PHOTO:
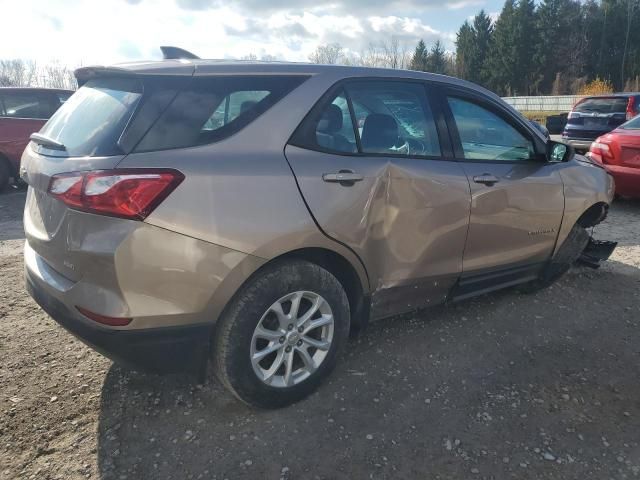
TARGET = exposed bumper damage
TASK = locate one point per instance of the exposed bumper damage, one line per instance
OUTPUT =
(596, 251)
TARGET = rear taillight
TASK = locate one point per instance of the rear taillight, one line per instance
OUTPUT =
(600, 151)
(631, 108)
(126, 193)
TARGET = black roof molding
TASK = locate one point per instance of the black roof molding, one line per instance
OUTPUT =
(175, 53)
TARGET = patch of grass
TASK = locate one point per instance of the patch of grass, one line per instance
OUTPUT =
(540, 117)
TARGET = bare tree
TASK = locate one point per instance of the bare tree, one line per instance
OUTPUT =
(328, 54)
(26, 73)
(250, 56)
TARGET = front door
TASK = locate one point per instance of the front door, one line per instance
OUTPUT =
(517, 198)
(370, 164)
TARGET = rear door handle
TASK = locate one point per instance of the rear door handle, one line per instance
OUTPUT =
(343, 177)
(486, 179)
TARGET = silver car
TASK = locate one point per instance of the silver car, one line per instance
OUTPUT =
(251, 215)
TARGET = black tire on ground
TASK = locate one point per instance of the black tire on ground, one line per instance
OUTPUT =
(5, 174)
(235, 328)
(567, 254)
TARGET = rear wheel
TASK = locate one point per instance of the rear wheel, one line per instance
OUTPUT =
(281, 335)
(567, 254)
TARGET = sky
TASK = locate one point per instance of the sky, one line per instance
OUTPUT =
(84, 32)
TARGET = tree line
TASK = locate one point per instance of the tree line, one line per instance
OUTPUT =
(554, 47)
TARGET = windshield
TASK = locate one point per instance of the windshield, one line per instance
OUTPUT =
(91, 121)
(602, 105)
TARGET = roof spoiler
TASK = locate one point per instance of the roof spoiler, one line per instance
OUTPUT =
(175, 53)
(84, 74)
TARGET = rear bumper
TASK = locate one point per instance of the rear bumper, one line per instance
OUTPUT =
(159, 350)
(627, 180)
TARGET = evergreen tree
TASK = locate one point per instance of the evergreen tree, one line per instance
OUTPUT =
(437, 60)
(420, 57)
(465, 52)
(503, 57)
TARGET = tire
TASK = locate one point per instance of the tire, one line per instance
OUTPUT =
(567, 254)
(5, 174)
(238, 341)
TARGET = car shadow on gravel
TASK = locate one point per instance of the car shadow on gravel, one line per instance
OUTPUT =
(506, 385)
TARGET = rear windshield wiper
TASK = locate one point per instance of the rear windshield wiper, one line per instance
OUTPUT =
(47, 142)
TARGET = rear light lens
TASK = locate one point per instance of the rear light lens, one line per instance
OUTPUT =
(125, 193)
(631, 108)
(600, 151)
(111, 321)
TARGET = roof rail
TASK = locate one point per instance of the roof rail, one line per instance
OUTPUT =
(175, 53)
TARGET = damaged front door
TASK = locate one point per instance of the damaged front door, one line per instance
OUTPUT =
(369, 162)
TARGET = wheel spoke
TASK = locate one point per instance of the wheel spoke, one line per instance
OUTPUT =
(306, 358)
(259, 355)
(320, 322)
(311, 312)
(295, 305)
(288, 368)
(268, 375)
(267, 334)
(283, 320)
(319, 344)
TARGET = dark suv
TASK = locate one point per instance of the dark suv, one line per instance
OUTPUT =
(22, 112)
(595, 116)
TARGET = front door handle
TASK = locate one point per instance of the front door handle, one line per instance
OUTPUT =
(486, 179)
(343, 177)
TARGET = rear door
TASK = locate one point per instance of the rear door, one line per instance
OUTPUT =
(371, 163)
(517, 198)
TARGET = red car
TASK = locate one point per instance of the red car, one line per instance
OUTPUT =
(22, 112)
(619, 152)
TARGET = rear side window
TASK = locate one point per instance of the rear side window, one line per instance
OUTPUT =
(90, 122)
(33, 105)
(602, 105)
(210, 109)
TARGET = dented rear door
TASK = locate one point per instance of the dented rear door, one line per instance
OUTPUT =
(403, 210)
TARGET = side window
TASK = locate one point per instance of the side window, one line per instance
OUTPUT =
(26, 105)
(334, 129)
(232, 106)
(394, 118)
(486, 136)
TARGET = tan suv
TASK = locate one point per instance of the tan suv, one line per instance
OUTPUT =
(254, 214)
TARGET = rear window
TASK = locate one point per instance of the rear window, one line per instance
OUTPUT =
(210, 109)
(115, 116)
(90, 122)
(602, 105)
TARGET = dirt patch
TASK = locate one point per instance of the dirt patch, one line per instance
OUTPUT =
(503, 386)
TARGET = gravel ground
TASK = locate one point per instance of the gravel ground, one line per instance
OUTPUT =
(503, 386)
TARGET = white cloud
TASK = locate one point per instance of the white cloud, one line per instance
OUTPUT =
(79, 32)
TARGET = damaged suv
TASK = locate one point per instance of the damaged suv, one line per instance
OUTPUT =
(250, 215)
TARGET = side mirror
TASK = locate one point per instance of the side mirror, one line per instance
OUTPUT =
(559, 152)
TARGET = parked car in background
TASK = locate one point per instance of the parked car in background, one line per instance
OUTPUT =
(254, 214)
(595, 116)
(619, 152)
(555, 123)
(23, 111)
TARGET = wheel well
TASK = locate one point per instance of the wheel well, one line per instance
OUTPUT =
(593, 215)
(342, 269)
